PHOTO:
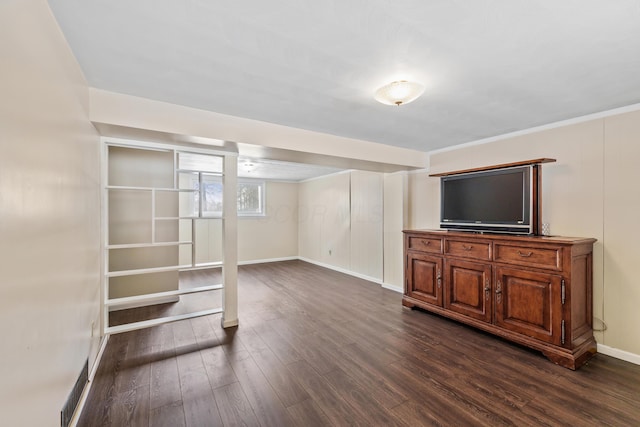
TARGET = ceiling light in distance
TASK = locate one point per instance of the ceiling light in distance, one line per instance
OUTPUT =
(399, 92)
(248, 166)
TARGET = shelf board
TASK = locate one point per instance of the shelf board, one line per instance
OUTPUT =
(155, 322)
(501, 166)
(169, 218)
(157, 295)
(207, 264)
(146, 270)
(126, 187)
(147, 245)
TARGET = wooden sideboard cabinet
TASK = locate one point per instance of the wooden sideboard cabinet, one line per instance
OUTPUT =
(532, 290)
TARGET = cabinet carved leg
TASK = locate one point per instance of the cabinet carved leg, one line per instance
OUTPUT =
(576, 359)
(408, 304)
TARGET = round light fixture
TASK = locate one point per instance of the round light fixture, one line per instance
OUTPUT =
(399, 92)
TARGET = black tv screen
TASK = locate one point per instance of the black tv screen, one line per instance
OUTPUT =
(496, 200)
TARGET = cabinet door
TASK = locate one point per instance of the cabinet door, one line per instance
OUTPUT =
(468, 288)
(424, 281)
(530, 303)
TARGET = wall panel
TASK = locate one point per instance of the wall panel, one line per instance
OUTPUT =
(324, 220)
(366, 239)
(395, 220)
(49, 218)
(622, 232)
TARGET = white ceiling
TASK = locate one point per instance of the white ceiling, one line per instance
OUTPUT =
(490, 66)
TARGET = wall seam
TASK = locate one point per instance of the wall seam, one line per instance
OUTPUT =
(604, 222)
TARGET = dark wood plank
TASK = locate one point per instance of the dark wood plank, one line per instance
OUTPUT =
(279, 377)
(307, 413)
(216, 364)
(199, 404)
(171, 415)
(136, 367)
(286, 352)
(417, 414)
(310, 349)
(198, 401)
(360, 399)
(165, 380)
(235, 409)
(328, 400)
(261, 396)
(381, 387)
(203, 332)
(131, 408)
(97, 411)
(446, 408)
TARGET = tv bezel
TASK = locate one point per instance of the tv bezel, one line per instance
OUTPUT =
(498, 227)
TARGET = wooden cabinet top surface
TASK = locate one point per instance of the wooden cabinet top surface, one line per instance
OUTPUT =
(502, 237)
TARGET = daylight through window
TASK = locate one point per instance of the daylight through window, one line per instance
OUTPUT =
(250, 197)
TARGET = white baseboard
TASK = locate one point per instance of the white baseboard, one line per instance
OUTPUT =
(160, 300)
(393, 288)
(96, 362)
(619, 354)
(262, 261)
(87, 387)
(353, 273)
(342, 270)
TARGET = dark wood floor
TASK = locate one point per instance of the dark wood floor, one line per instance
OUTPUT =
(319, 348)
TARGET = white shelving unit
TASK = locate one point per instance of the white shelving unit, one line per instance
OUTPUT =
(143, 188)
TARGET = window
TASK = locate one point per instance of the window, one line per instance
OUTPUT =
(250, 197)
(211, 196)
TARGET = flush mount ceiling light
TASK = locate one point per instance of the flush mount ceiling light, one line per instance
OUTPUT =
(399, 92)
(248, 166)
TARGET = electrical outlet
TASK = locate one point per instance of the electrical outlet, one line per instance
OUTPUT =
(329, 251)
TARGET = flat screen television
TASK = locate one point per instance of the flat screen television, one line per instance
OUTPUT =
(498, 201)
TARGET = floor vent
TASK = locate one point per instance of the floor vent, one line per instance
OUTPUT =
(74, 397)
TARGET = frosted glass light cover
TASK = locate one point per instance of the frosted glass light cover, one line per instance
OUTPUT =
(399, 92)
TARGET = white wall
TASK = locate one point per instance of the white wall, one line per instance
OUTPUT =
(367, 224)
(341, 222)
(276, 234)
(621, 207)
(396, 216)
(324, 220)
(49, 217)
(353, 222)
(269, 237)
(591, 191)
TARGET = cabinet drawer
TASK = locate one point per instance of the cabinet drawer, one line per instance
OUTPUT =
(550, 258)
(468, 249)
(425, 244)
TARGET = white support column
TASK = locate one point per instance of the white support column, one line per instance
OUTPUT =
(230, 242)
